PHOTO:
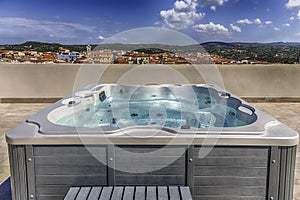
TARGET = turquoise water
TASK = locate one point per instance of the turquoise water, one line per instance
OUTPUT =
(170, 112)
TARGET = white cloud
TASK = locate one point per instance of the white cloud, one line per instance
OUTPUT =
(185, 5)
(181, 5)
(212, 29)
(292, 4)
(244, 21)
(298, 15)
(248, 21)
(268, 22)
(22, 29)
(184, 12)
(292, 18)
(183, 15)
(214, 8)
(33, 25)
(298, 34)
(276, 29)
(286, 25)
(235, 28)
(101, 37)
(203, 3)
(257, 21)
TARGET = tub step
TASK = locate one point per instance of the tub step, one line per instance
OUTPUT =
(129, 193)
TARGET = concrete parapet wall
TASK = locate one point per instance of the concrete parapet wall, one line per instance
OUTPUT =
(52, 81)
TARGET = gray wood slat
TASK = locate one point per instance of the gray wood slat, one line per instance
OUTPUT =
(71, 170)
(140, 193)
(106, 193)
(149, 151)
(229, 191)
(168, 170)
(69, 150)
(95, 193)
(235, 151)
(229, 181)
(231, 171)
(52, 190)
(83, 180)
(185, 193)
(151, 180)
(117, 193)
(38, 197)
(162, 193)
(222, 197)
(128, 193)
(69, 160)
(252, 161)
(72, 193)
(174, 193)
(83, 193)
(143, 162)
(151, 193)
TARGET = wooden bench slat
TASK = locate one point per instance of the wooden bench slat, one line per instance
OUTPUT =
(140, 193)
(151, 193)
(72, 193)
(128, 193)
(95, 193)
(185, 193)
(174, 193)
(83, 193)
(117, 193)
(162, 192)
(106, 193)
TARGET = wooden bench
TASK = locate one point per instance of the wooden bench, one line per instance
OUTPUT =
(129, 193)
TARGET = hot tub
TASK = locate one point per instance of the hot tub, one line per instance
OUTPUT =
(195, 135)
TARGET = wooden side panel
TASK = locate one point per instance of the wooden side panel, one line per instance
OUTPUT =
(150, 166)
(231, 173)
(18, 169)
(59, 167)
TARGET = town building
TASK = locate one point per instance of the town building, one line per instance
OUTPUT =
(69, 57)
(101, 56)
(137, 57)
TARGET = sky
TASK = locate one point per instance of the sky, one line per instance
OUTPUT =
(93, 21)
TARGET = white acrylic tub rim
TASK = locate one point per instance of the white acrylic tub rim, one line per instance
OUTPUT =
(264, 131)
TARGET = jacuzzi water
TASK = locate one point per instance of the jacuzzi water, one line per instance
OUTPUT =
(163, 108)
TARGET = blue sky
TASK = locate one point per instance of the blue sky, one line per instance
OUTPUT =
(91, 21)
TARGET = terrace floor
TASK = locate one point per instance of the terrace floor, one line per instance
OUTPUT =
(12, 114)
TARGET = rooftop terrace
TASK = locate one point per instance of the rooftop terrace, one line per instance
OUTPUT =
(46, 83)
(13, 113)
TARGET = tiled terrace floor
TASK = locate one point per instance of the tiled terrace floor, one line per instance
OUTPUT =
(12, 114)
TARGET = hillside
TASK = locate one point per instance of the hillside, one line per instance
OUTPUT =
(41, 47)
(278, 52)
(269, 52)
